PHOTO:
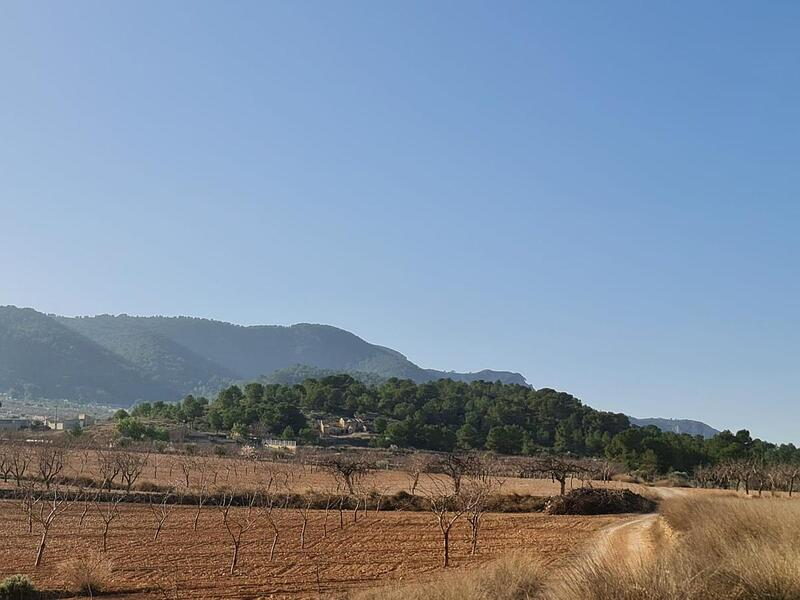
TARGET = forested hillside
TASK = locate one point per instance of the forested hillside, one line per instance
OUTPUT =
(39, 357)
(122, 359)
(447, 415)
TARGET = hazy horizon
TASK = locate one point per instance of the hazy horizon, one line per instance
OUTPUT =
(602, 198)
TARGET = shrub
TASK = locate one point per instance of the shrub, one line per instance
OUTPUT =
(591, 501)
(17, 587)
(89, 575)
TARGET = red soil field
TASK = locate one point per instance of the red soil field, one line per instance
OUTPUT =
(379, 548)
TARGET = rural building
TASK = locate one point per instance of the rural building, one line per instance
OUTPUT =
(330, 428)
(14, 424)
(78, 422)
(354, 425)
(290, 445)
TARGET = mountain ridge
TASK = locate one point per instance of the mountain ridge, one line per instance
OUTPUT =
(689, 426)
(122, 359)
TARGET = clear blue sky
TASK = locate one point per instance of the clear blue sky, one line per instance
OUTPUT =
(602, 196)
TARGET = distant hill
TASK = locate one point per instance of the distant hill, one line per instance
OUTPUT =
(677, 426)
(40, 357)
(123, 359)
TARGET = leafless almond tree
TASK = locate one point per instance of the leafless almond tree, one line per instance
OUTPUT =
(555, 468)
(348, 469)
(21, 458)
(303, 510)
(187, 465)
(45, 509)
(108, 467)
(6, 462)
(131, 465)
(49, 463)
(108, 512)
(447, 507)
(416, 465)
(455, 466)
(161, 509)
(237, 520)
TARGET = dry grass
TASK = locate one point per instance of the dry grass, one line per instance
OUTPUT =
(512, 578)
(707, 549)
(712, 548)
(88, 575)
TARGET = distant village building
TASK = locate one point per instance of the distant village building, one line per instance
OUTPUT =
(354, 425)
(78, 422)
(290, 445)
(14, 424)
(329, 428)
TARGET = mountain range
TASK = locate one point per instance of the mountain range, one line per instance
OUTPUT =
(122, 359)
(677, 426)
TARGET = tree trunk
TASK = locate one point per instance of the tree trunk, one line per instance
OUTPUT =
(563, 483)
(272, 549)
(235, 558)
(446, 557)
(197, 516)
(303, 534)
(40, 549)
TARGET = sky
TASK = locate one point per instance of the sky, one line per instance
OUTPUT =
(601, 196)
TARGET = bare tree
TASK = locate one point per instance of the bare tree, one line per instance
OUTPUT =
(556, 468)
(49, 463)
(21, 458)
(348, 469)
(447, 507)
(477, 491)
(108, 512)
(187, 465)
(45, 509)
(6, 462)
(303, 510)
(26, 497)
(161, 511)
(108, 467)
(455, 466)
(201, 495)
(131, 465)
(272, 499)
(155, 460)
(237, 520)
(416, 466)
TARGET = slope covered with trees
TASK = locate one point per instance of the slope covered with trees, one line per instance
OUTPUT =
(122, 359)
(39, 357)
(250, 352)
(447, 415)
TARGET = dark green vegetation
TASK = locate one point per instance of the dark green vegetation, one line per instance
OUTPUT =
(122, 359)
(447, 415)
(40, 357)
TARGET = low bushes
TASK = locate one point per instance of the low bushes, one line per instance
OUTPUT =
(598, 501)
(17, 587)
(88, 575)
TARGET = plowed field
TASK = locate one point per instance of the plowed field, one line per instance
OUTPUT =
(383, 547)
